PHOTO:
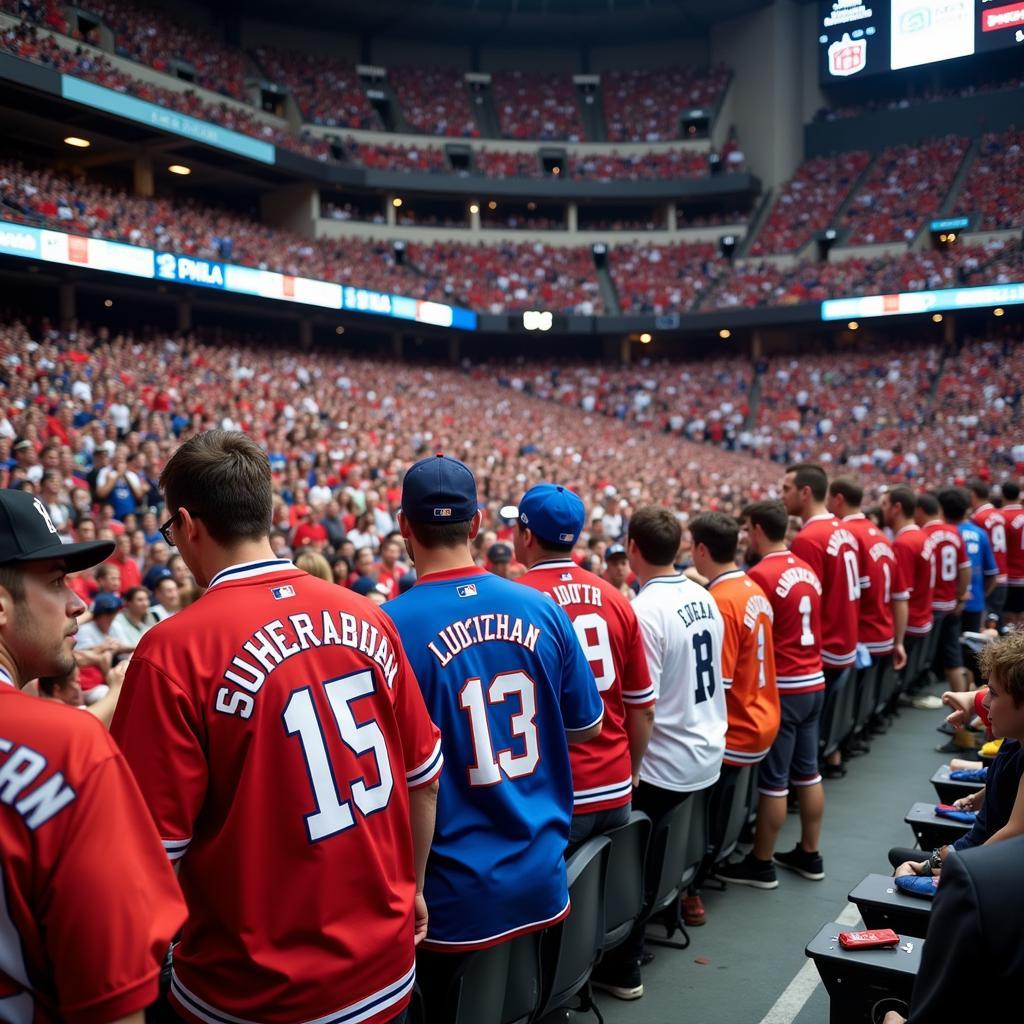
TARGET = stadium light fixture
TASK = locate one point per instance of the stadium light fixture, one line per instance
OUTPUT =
(180, 169)
(725, 333)
(396, 202)
(936, 318)
(492, 205)
(998, 311)
(108, 303)
(645, 339)
(531, 205)
(339, 329)
(853, 325)
(77, 141)
(474, 208)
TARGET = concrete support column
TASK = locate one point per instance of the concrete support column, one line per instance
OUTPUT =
(756, 345)
(949, 330)
(474, 217)
(671, 220)
(625, 351)
(391, 213)
(184, 315)
(572, 219)
(142, 174)
(66, 301)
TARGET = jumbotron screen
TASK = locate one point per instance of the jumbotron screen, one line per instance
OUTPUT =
(865, 37)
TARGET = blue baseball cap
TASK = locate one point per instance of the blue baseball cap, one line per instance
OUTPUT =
(439, 489)
(554, 513)
(105, 603)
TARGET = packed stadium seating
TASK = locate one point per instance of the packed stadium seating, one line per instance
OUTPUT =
(434, 101)
(808, 201)
(646, 106)
(509, 276)
(498, 163)
(535, 105)
(664, 278)
(653, 164)
(992, 188)
(394, 157)
(906, 184)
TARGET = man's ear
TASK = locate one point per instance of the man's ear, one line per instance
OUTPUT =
(403, 525)
(6, 607)
(476, 523)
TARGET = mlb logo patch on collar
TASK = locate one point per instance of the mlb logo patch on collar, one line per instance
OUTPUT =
(466, 590)
(280, 593)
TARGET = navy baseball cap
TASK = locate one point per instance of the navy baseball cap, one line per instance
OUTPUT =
(106, 603)
(615, 551)
(554, 513)
(27, 534)
(439, 489)
(499, 553)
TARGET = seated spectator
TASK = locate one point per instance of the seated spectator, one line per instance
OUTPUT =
(537, 105)
(134, 620)
(167, 597)
(96, 646)
(315, 564)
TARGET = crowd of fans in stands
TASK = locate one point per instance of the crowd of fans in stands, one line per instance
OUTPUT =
(992, 188)
(434, 101)
(537, 105)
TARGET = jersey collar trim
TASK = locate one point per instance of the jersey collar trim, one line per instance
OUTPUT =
(909, 526)
(776, 554)
(727, 575)
(247, 570)
(663, 579)
(6, 678)
(984, 508)
(451, 574)
(819, 516)
(554, 563)
(854, 515)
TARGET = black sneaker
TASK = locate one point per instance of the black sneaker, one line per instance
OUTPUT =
(810, 865)
(624, 980)
(749, 871)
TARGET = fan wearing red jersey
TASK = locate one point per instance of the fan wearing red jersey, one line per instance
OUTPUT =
(88, 902)
(748, 663)
(882, 625)
(282, 745)
(832, 551)
(996, 523)
(1013, 512)
(605, 769)
(794, 592)
(913, 583)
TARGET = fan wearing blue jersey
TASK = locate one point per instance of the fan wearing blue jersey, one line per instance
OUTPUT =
(506, 681)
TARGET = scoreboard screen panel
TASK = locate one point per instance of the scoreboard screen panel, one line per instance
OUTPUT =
(858, 38)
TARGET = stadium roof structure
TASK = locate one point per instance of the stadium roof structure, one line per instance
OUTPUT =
(504, 22)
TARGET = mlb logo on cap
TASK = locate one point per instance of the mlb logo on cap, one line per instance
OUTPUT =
(439, 487)
(554, 513)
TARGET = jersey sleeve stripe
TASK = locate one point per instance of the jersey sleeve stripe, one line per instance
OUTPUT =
(428, 770)
(903, 595)
(639, 696)
(493, 940)
(583, 728)
(363, 1010)
(744, 756)
(175, 848)
(583, 797)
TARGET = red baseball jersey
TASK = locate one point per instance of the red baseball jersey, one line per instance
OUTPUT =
(607, 629)
(1014, 515)
(88, 902)
(994, 521)
(794, 592)
(914, 584)
(832, 551)
(945, 547)
(275, 728)
(875, 628)
(748, 667)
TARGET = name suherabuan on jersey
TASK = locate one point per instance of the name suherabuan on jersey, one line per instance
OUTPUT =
(275, 642)
(481, 629)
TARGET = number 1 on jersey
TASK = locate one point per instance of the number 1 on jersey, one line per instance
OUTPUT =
(489, 766)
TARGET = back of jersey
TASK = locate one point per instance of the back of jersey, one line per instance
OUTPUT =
(608, 633)
(504, 677)
(878, 566)
(683, 636)
(275, 729)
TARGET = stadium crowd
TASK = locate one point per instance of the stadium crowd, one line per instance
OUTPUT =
(434, 101)
(537, 105)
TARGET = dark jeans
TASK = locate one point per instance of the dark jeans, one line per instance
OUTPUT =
(586, 825)
(655, 802)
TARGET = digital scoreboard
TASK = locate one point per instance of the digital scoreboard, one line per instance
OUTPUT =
(858, 38)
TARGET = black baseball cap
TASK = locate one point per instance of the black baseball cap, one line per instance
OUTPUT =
(439, 489)
(499, 553)
(27, 534)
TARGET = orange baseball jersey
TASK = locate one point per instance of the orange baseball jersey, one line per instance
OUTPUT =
(275, 728)
(88, 901)
(606, 627)
(748, 667)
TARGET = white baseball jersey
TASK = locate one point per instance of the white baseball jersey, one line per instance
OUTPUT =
(683, 632)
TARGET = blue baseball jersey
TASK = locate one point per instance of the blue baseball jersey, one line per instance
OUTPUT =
(503, 677)
(983, 563)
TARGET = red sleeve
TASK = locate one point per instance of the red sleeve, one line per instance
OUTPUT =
(160, 732)
(113, 903)
(421, 739)
(637, 690)
(979, 707)
(903, 583)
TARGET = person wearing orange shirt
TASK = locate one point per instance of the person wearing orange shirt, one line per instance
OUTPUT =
(748, 657)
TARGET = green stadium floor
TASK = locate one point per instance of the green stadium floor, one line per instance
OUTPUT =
(742, 965)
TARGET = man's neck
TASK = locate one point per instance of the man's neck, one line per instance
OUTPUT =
(544, 555)
(717, 569)
(817, 509)
(433, 560)
(774, 548)
(646, 573)
(218, 558)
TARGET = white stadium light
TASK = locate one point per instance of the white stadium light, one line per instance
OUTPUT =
(537, 320)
